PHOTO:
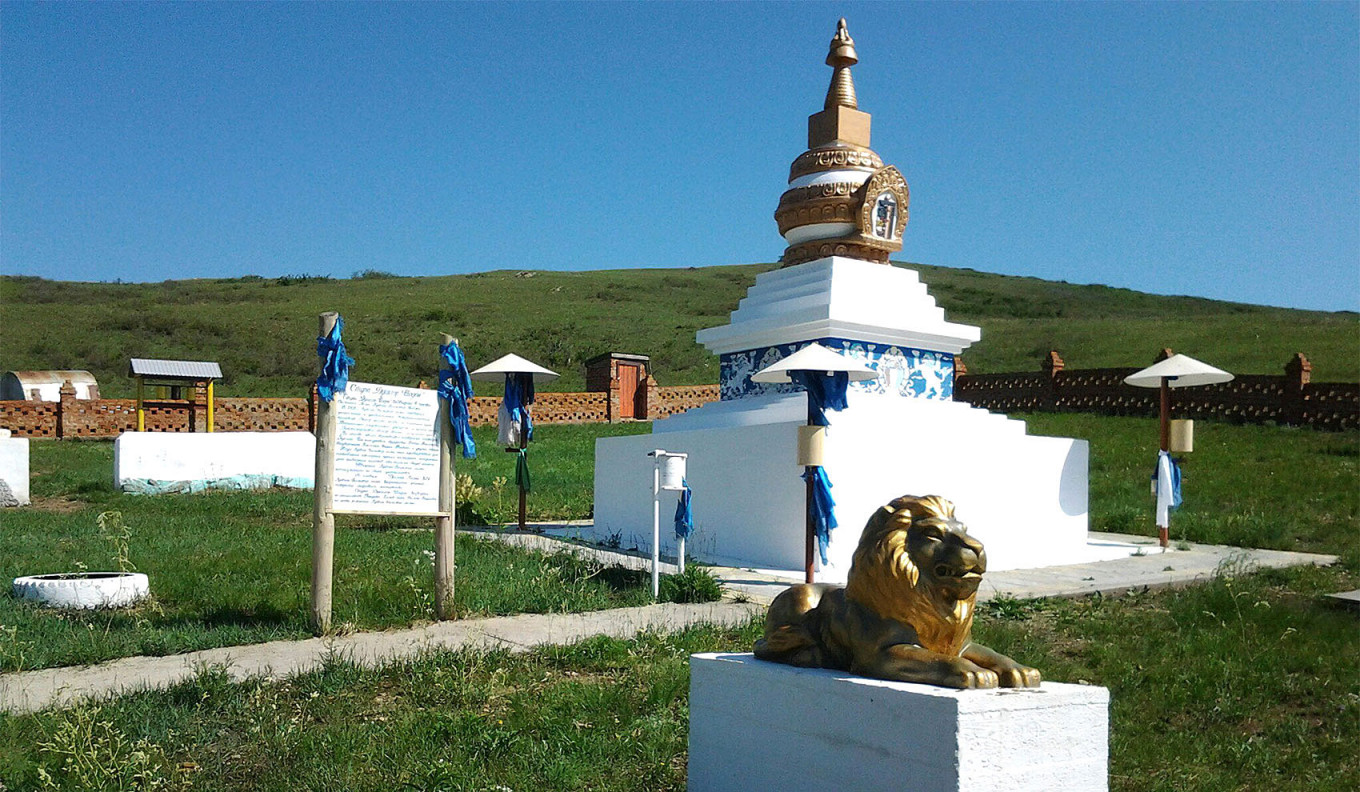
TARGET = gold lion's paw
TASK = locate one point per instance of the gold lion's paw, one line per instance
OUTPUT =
(1019, 676)
(981, 678)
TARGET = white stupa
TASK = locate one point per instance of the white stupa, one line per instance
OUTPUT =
(844, 212)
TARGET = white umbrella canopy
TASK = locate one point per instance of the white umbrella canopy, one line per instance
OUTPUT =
(1180, 371)
(814, 357)
(513, 364)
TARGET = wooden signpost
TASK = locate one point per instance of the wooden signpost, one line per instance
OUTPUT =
(385, 450)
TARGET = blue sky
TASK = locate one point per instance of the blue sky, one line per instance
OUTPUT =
(1179, 148)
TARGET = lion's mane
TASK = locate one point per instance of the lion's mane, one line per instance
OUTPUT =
(885, 579)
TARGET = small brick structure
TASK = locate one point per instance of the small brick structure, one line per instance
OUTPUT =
(1290, 398)
(625, 379)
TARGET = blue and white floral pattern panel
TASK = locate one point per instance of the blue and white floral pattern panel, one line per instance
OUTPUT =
(902, 371)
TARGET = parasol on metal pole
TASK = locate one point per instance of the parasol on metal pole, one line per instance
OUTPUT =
(824, 374)
(517, 427)
(1177, 371)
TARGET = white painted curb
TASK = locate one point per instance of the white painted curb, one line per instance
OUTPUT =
(83, 589)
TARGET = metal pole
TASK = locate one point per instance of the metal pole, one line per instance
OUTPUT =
(323, 521)
(681, 550)
(443, 524)
(656, 527)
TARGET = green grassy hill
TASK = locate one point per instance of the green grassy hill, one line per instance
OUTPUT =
(262, 330)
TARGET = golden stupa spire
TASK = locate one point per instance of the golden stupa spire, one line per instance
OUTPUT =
(841, 120)
(842, 200)
(841, 57)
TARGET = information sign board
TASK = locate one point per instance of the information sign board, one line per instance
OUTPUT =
(386, 450)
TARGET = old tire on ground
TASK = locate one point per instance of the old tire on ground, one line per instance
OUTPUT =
(83, 589)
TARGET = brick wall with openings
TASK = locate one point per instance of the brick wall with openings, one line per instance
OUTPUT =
(1249, 398)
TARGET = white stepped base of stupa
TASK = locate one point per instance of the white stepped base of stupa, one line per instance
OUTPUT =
(1024, 496)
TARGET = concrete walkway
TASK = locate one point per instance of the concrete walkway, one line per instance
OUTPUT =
(1154, 568)
(30, 691)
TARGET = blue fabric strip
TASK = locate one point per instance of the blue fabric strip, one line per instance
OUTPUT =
(519, 394)
(684, 513)
(335, 363)
(822, 507)
(1175, 478)
(455, 387)
(825, 392)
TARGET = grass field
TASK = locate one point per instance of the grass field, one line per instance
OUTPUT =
(262, 330)
(234, 567)
(1249, 682)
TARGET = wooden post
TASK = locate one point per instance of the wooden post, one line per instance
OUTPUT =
(210, 405)
(443, 524)
(523, 493)
(323, 521)
(808, 528)
(1162, 531)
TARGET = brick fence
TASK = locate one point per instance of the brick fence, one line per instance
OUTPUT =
(1290, 398)
(72, 417)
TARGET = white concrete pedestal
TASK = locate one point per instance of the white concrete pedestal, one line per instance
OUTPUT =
(13, 470)
(160, 462)
(760, 725)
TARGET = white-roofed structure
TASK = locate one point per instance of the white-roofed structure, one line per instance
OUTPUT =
(191, 370)
(176, 376)
(513, 364)
(1179, 371)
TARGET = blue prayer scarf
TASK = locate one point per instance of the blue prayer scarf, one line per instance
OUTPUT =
(519, 394)
(684, 513)
(455, 386)
(824, 392)
(821, 508)
(335, 363)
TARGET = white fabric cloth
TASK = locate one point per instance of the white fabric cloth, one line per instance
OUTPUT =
(1166, 492)
(507, 428)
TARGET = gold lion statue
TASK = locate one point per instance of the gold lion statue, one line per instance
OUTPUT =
(906, 612)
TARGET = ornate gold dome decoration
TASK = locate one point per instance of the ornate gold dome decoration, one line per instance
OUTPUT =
(842, 200)
(821, 248)
(824, 159)
(883, 209)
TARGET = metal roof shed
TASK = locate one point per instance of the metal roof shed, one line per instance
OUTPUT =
(46, 385)
(176, 374)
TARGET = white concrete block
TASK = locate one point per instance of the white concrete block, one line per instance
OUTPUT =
(14, 471)
(1024, 497)
(170, 461)
(760, 725)
(839, 297)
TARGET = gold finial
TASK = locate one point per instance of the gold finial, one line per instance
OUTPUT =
(841, 57)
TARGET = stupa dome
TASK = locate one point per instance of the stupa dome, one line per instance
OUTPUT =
(842, 200)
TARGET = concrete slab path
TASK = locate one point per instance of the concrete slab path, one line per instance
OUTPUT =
(1154, 568)
(30, 691)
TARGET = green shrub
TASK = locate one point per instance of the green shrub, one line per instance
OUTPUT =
(695, 584)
